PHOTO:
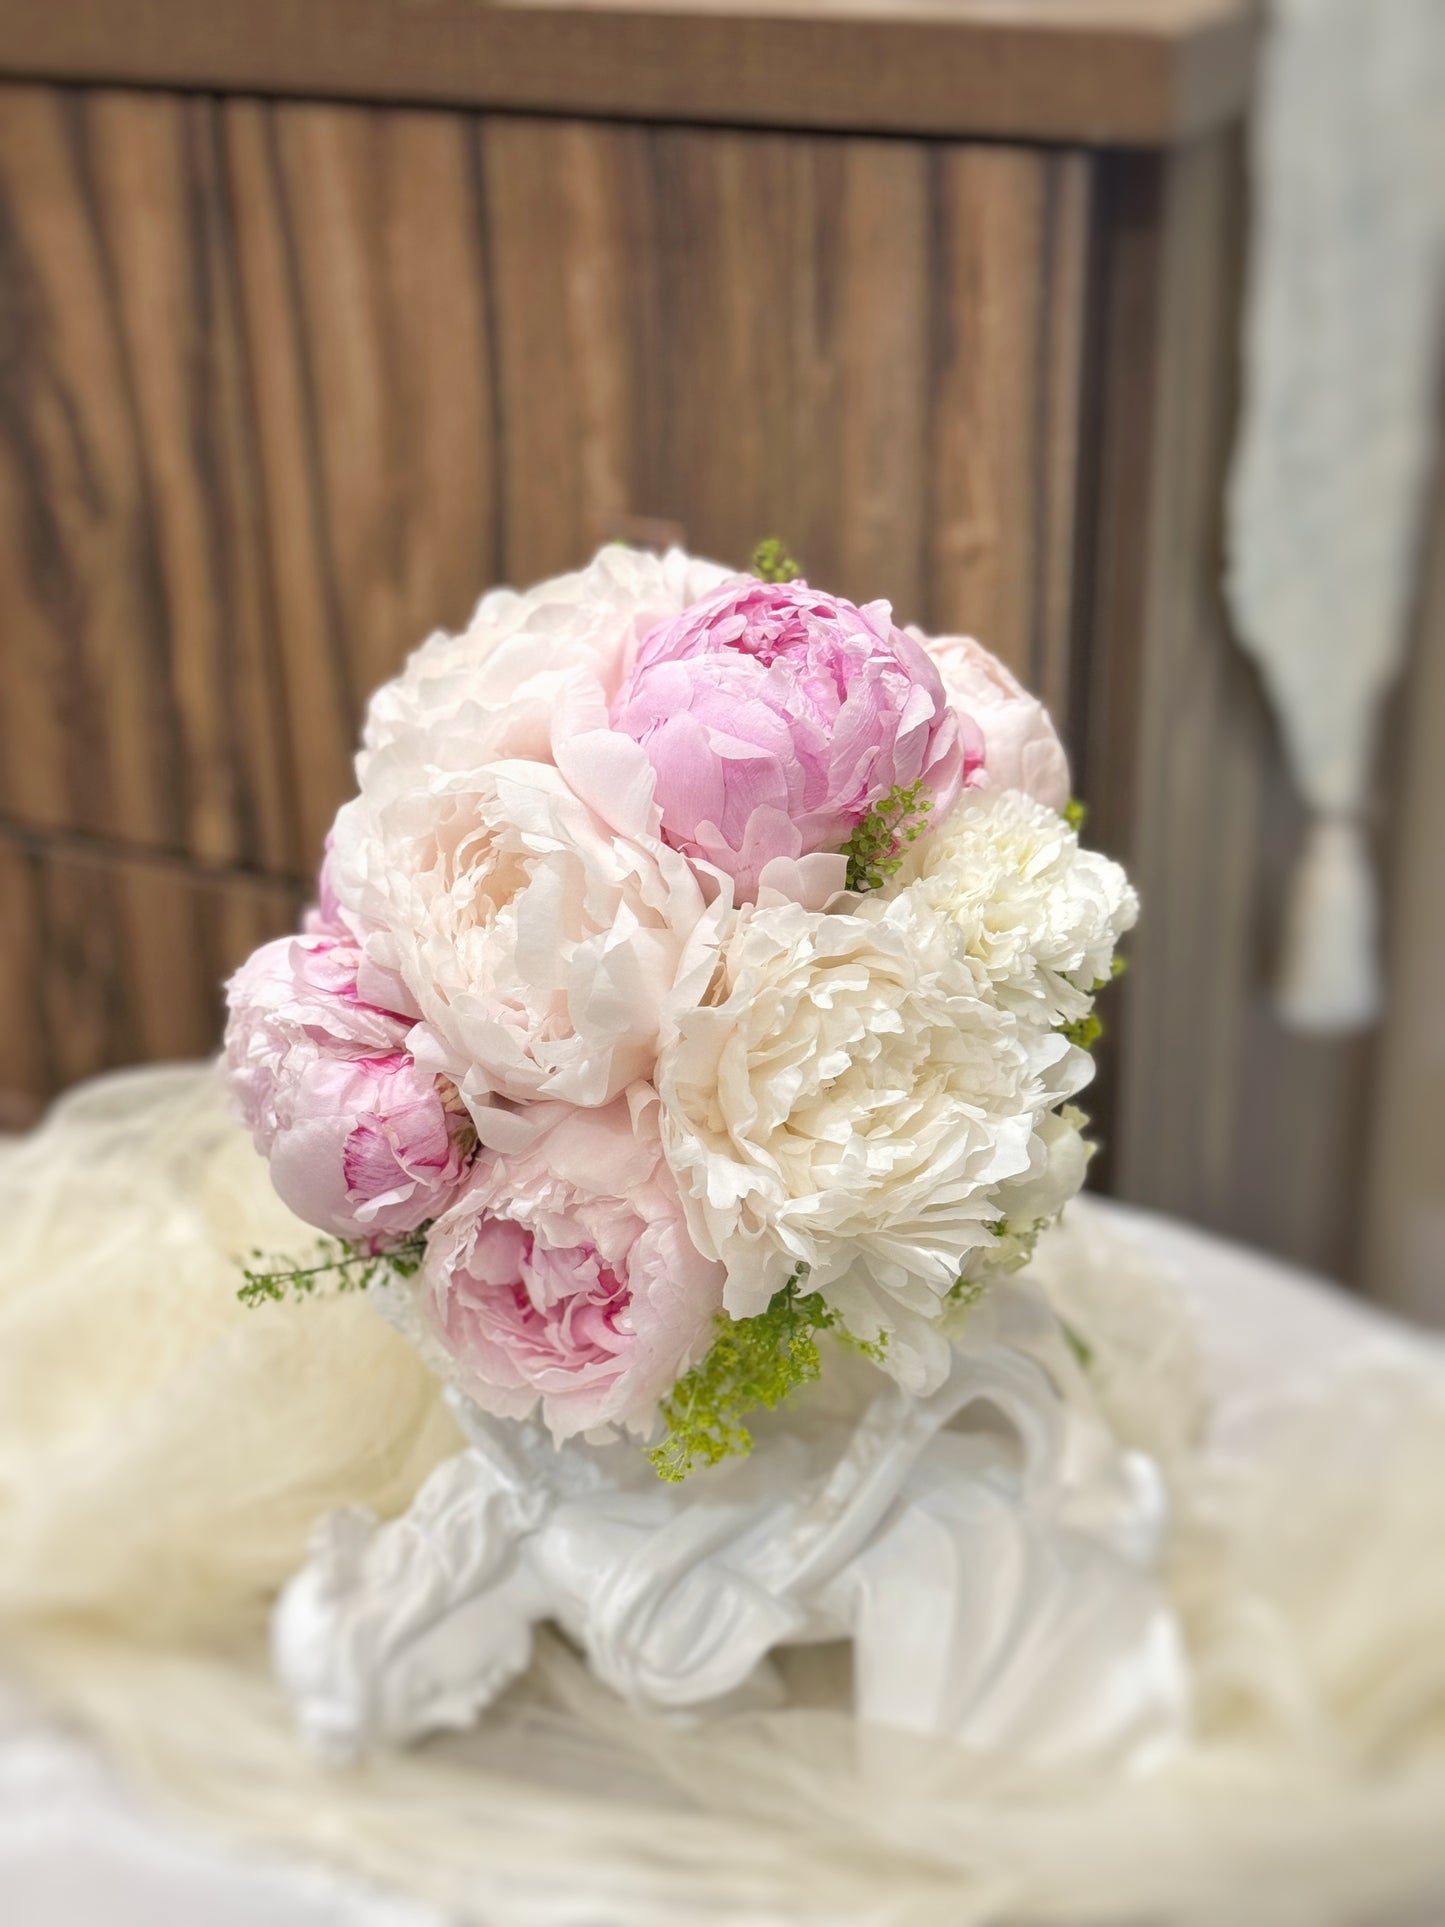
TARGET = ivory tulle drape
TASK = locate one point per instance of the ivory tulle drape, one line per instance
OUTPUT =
(163, 1453)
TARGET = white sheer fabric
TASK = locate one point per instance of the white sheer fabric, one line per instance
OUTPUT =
(77, 1851)
(1327, 499)
(163, 1452)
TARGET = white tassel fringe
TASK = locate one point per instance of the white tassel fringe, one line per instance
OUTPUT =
(1329, 979)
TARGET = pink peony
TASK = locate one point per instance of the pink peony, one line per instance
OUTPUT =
(775, 716)
(1022, 750)
(362, 1142)
(564, 1276)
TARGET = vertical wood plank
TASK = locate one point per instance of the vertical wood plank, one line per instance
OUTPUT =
(314, 682)
(139, 702)
(25, 1072)
(749, 237)
(1403, 1242)
(883, 275)
(845, 341)
(85, 995)
(1012, 231)
(990, 218)
(160, 205)
(136, 953)
(565, 213)
(364, 282)
(1059, 432)
(391, 274)
(1214, 1112)
(794, 275)
(83, 742)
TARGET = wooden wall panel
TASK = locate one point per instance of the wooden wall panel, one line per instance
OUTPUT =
(1005, 412)
(575, 339)
(25, 1074)
(871, 347)
(1403, 1243)
(245, 407)
(363, 283)
(139, 696)
(117, 958)
(288, 385)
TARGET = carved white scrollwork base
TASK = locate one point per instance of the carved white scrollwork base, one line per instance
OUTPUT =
(990, 1551)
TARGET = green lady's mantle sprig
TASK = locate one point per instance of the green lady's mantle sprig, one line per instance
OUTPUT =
(753, 1364)
(771, 562)
(1086, 1031)
(875, 849)
(333, 1262)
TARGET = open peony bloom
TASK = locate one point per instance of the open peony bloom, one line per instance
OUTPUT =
(298, 994)
(371, 1147)
(536, 941)
(775, 716)
(565, 1276)
(846, 1099)
(362, 1142)
(1038, 917)
(1021, 748)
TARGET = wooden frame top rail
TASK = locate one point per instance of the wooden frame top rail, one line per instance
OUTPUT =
(1103, 72)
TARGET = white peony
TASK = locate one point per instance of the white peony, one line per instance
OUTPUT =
(1059, 1156)
(843, 1098)
(1036, 915)
(537, 943)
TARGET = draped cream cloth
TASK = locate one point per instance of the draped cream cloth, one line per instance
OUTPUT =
(163, 1453)
(1326, 509)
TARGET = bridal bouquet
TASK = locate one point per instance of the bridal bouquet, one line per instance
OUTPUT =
(705, 965)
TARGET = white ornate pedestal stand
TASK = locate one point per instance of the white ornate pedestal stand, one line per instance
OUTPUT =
(990, 1551)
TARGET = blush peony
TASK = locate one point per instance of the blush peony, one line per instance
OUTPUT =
(1021, 748)
(775, 716)
(362, 1142)
(564, 1277)
(537, 942)
(297, 994)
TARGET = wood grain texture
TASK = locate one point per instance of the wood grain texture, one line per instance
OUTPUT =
(138, 697)
(119, 959)
(1216, 1113)
(1145, 71)
(245, 449)
(25, 1071)
(873, 348)
(291, 384)
(364, 302)
(1403, 1242)
(1007, 410)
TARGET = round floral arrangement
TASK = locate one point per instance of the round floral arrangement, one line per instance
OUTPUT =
(705, 964)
